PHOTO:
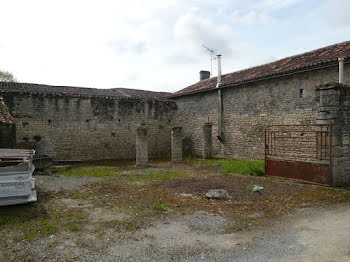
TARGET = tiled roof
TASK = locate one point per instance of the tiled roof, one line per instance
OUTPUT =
(305, 61)
(27, 88)
(5, 116)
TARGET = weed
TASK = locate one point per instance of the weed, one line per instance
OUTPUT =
(88, 172)
(129, 225)
(245, 167)
(159, 207)
(50, 229)
(81, 195)
(155, 176)
(2, 220)
(73, 226)
(31, 235)
(51, 244)
(250, 188)
(69, 215)
(272, 198)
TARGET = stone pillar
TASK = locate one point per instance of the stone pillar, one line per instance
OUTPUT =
(141, 146)
(176, 144)
(334, 108)
(207, 143)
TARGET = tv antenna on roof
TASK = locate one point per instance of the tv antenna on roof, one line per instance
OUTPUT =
(212, 57)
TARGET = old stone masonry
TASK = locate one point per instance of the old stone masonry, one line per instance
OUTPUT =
(222, 117)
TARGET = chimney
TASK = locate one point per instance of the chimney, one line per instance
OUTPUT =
(203, 75)
(341, 70)
(219, 71)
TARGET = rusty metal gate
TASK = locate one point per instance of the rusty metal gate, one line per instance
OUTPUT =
(301, 152)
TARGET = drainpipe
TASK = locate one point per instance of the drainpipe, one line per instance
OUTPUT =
(219, 135)
(341, 70)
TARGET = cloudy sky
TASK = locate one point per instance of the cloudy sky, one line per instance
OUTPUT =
(157, 44)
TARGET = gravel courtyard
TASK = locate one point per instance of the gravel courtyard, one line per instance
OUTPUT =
(113, 211)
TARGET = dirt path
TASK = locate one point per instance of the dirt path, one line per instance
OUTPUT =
(311, 235)
(325, 235)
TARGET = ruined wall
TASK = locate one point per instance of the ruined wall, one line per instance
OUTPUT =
(249, 108)
(77, 128)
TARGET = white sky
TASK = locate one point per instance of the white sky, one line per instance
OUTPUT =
(157, 44)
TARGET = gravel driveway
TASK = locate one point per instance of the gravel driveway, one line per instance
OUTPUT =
(310, 235)
(134, 219)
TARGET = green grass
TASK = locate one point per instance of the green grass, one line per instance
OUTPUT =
(89, 172)
(245, 167)
(111, 174)
(159, 207)
(154, 176)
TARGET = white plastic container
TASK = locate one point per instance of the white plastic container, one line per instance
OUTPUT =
(17, 186)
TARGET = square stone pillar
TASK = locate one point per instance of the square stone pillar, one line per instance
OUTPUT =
(176, 144)
(333, 108)
(141, 146)
(207, 141)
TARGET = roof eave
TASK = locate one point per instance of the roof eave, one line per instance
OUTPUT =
(292, 72)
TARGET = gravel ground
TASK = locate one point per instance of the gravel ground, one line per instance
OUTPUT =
(308, 235)
(60, 182)
(303, 237)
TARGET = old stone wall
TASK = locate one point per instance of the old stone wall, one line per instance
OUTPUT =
(7, 135)
(78, 128)
(249, 108)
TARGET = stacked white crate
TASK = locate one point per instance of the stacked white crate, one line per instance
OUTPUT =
(17, 185)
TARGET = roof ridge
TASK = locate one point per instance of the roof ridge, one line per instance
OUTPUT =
(33, 88)
(287, 64)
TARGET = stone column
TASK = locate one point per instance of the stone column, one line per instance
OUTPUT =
(334, 108)
(141, 146)
(176, 144)
(207, 143)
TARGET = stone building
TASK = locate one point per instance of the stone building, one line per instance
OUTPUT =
(75, 123)
(281, 92)
(222, 116)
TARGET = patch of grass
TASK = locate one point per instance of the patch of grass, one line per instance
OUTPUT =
(31, 235)
(245, 167)
(73, 226)
(155, 176)
(159, 207)
(89, 172)
(250, 188)
(81, 195)
(111, 174)
(48, 227)
(128, 224)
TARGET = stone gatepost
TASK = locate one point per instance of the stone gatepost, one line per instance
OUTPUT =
(207, 143)
(141, 146)
(334, 108)
(176, 144)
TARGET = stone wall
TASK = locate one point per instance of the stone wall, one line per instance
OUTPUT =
(249, 108)
(7, 135)
(78, 128)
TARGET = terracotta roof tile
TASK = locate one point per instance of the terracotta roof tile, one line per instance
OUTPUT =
(291, 64)
(28, 88)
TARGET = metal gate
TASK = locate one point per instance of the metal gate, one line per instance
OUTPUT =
(301, 152)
